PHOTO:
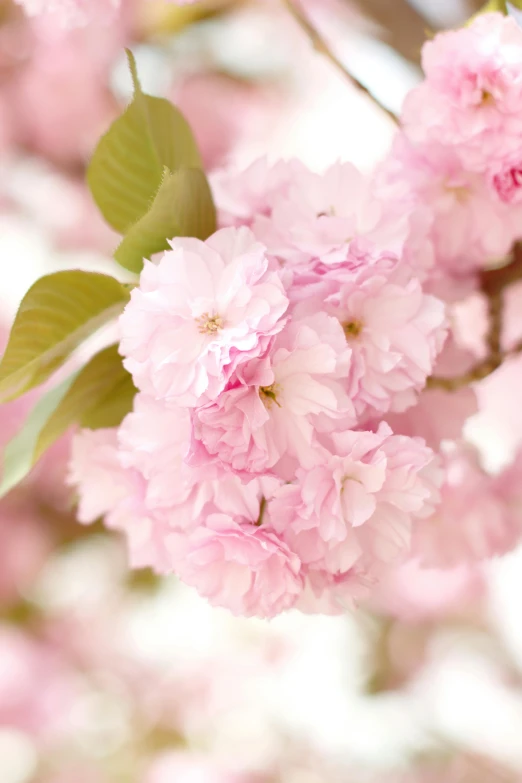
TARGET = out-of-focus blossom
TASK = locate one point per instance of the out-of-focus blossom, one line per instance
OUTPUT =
(472, 522)
(71, 13)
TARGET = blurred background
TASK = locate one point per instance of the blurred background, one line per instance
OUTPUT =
(108, 676)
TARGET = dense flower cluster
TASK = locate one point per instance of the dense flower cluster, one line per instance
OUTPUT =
(254, 464)
(459, 152)
(283, 449)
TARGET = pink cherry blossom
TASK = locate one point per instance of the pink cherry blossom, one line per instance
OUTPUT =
(471, 95)
(413, 593)
(394, 334)
(251, 429)
(320, 214)
(472, 522)
(353, 513)
(201, 311)
(470, 225)
(244, 568)
(242, 195)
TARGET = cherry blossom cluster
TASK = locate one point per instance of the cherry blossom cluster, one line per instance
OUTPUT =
(458, 154)
(256, 463)
(283, 450)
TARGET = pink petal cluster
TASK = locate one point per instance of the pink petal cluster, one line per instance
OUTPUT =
(458, 155)
(203, 310)
(478, 517)
(252, 464)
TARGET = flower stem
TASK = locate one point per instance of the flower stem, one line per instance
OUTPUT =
(321, 46)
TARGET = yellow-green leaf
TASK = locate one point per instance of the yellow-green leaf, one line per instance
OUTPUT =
(100, 396)
(183, 207)
(18, 456)
(57, 314)
(127, 167)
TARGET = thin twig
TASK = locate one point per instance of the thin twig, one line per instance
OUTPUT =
(493, 283)
(321, 46)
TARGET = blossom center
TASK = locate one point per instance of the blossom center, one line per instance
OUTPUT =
(330, 212)
(352, 329)
(268, 395)
(487, 98)
(209, 324)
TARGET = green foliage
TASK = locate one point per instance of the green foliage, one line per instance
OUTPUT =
(57, 314)
(183, 207)
(146, 178)
(18, 456)
(100, 396)
(127, 167)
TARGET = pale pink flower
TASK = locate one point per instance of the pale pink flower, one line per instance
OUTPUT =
(353, 513)
(412, 593)
(107, 489)
(201, 311)
(96, 471)
(472, 522)
(233, 432)
(297, 391)
(394, 333)
(320, 214)
(469, 224)
(473, 90)
(242, 195)
(242, 567)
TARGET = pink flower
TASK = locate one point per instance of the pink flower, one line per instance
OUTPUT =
(204, 309)
(469, 224)
(233, 432)
(135, 478)
(413, 593)
(472, 522)
(394, 333)
(473, 89)
(95, 469)
(241, 195)
(318, 216)
(242, 567)
(298, 390)
(353, 513)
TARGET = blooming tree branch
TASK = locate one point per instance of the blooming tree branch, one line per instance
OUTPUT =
(322, 47)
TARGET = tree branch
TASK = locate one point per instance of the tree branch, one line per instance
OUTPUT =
(321, 46)
(493, 283)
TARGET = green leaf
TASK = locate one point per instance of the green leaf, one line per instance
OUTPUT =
(57, 314)
(183, 207)
(101, 395)
(127, 167)
(18, 457)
